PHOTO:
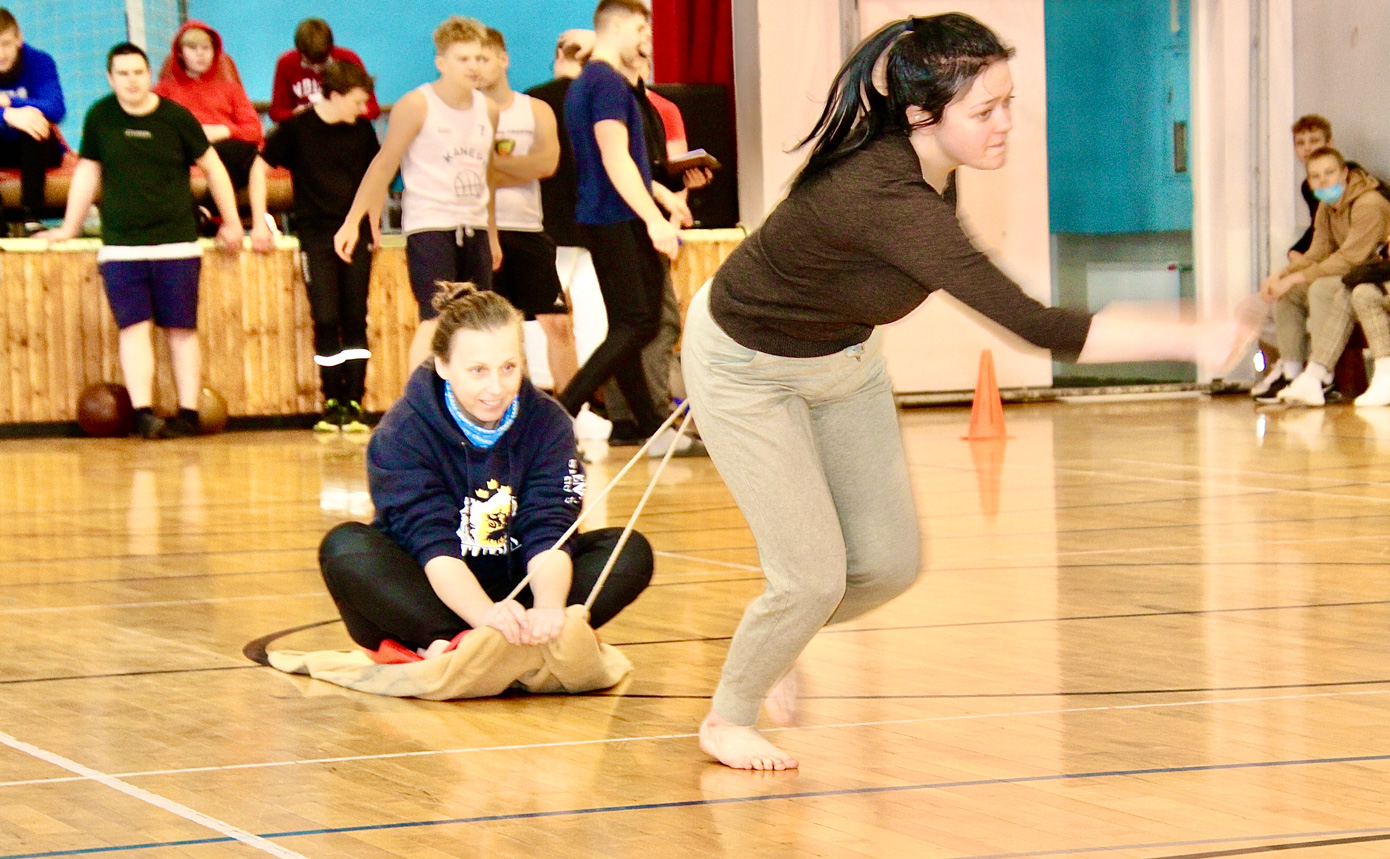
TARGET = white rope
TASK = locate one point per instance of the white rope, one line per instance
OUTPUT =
(591, 503)
(637, 511)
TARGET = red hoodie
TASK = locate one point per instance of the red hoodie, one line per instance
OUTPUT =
(297, 85)
(216, 98)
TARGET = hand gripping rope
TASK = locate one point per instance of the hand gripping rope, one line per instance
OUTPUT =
(682, 410)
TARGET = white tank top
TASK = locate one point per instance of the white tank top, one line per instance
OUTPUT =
(445, 167)
(519, 206)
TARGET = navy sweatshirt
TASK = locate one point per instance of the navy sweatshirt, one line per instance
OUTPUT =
(436, 494)
(33, 82)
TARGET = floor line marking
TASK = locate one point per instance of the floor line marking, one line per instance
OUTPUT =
(159, 603)
(249, 839)
(1160, 845)
(686, 736)
(770, 797)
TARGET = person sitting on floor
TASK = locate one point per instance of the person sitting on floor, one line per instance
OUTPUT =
(475, 477)
(199, 75)
(1308, 295)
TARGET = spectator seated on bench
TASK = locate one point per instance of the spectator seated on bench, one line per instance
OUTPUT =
(31, 97)
(55, 191)
(1312, 307)
(199, 75)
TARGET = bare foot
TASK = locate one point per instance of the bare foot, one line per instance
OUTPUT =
(741, 746)
(781, 700)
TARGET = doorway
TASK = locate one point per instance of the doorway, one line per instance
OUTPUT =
(1119, 165)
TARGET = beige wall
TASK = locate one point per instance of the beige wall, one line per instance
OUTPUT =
(1341, 65)
(785, 56)
(1231, 126)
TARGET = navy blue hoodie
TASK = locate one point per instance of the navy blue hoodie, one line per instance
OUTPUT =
(437, 494)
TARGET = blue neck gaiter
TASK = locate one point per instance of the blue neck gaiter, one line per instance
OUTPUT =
(480, 437)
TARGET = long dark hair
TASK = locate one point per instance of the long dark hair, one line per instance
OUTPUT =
(929, 62)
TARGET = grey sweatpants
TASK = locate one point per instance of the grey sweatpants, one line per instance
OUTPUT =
(811, 450)
(1319, 312)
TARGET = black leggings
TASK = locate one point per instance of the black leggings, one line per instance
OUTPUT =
(382, 593)
(237, 156)
(630, 276)
(338, 304)
(34, 158)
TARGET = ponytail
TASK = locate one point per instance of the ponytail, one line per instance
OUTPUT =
(924, 62)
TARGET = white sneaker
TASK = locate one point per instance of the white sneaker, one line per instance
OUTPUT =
(591, 427)
(1378, 394)
(686, 447)
(1306, 390)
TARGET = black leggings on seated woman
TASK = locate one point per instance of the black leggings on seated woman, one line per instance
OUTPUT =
(381, 591)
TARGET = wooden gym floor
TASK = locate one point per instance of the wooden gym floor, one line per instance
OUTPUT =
(1152, 629)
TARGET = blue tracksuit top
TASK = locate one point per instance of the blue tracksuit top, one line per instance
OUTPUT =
(36, 86)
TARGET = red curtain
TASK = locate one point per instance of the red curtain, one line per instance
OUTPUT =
(693, 42)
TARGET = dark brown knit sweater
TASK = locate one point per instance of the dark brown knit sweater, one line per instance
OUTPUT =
(863, 244)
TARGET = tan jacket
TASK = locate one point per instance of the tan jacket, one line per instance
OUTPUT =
(1346, 232)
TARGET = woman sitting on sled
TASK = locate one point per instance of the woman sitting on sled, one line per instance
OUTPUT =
(475, 476)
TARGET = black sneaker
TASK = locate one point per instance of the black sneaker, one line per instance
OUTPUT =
(148, 424)
(185, 424)
(353, 421)
(332, 419)
(1270, 392)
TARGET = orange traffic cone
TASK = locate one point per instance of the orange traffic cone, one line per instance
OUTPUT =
(987, 412)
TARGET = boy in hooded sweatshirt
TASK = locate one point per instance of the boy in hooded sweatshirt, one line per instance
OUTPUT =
(201, 77)
(1312, 307)
(31, 106)
(475, 477)
(298, 82)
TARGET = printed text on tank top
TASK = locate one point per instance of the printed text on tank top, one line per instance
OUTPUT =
(445, 167)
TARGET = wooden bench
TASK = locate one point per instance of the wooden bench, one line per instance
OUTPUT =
(279, 189)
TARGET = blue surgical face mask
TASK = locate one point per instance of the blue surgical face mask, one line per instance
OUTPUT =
(1329, 195)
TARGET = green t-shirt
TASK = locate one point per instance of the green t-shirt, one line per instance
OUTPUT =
(145, 195)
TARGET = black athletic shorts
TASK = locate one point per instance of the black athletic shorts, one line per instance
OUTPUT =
(452, 255)
(528, 278)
